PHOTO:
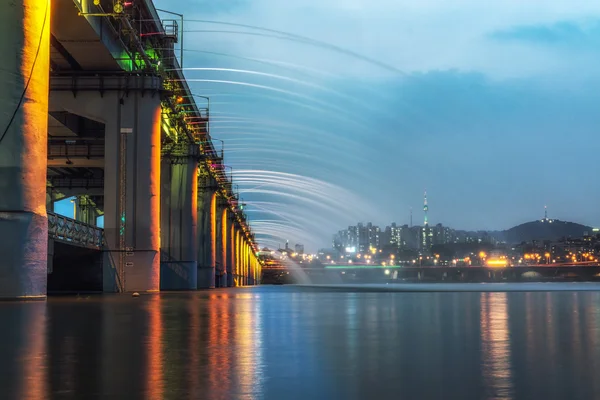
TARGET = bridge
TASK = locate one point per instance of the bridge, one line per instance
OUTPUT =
(394, 274)
(96, 106)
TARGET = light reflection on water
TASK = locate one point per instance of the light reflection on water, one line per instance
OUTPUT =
(495, 345)
(294, 343)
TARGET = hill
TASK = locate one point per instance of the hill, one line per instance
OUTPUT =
(546, 229)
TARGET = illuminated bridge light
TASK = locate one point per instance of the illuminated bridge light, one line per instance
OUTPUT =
(497, 262)
(355, 266)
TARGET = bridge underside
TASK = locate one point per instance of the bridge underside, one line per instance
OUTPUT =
(106, 135)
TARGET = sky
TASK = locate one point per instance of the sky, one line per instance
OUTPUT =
(339, 111)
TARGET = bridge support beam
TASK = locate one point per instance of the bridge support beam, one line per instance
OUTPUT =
(236, 256)
(221, 271)
(24, 38)
(207, 248)
(179, 220)
(230, 253)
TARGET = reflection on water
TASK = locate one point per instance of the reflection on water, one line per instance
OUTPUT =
(495, 345)
(155, 388)
(294, 343)
(33, 370)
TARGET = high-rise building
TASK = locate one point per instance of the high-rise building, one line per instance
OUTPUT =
(396, 232)
(299, 248)
(385, 238)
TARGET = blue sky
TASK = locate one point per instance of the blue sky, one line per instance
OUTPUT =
(490, 106)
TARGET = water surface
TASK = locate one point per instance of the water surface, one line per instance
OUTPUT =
(299, 343)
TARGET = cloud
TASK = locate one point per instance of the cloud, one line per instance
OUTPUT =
(565, 33)
(407, 35)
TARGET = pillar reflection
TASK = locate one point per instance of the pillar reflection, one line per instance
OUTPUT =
(155, 353)
(248, 344)
(33, 369)
(495, 345)
(195, 346)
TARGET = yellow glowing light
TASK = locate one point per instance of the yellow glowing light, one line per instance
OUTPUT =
(496, 262)
(482, 254)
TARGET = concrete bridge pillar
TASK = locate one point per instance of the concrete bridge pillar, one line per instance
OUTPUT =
(230, 251)
(207, 249)
(250, 267)
(132, 189)
(179, 220)
(245, 266)
(130, 108)
(240, 265)
(237, 259)
(24, 73)
(221, 264)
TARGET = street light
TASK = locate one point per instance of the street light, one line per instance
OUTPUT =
(180, 34)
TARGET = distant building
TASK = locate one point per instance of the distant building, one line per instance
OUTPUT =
(357, 239)
(299, 248)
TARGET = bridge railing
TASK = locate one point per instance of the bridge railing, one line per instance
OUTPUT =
(76, 232)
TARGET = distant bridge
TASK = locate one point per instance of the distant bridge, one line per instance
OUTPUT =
(381, 274)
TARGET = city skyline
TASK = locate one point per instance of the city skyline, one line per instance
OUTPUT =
(545, 213)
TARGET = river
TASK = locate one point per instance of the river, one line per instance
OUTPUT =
(286, 342)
